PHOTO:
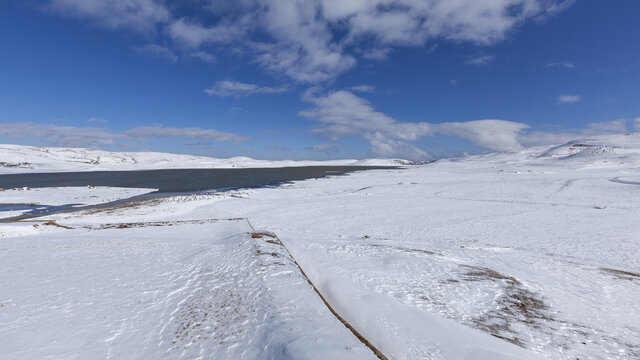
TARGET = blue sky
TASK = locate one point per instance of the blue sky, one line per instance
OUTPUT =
(317, 79)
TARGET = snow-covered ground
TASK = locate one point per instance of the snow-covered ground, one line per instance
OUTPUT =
(512, 255)
(55, 196)
(23, 159)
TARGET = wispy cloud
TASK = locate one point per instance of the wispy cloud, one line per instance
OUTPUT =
(326, 148)
(481, 60)
(187, 132)
(92, 136)
(566, 98)
(237, 89)
(192, 34)
(364, 88)
(97, 120)
(563, 64)
(158, 51)
(204, 56)
(139, 15)
(278, 148)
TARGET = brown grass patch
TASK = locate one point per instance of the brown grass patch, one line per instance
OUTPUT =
(260, 235)
(621, 274)
(516, 305)
(54, 223)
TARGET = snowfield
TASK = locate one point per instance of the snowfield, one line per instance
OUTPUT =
(526, 255)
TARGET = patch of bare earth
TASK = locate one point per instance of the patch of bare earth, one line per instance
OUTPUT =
(516, 304)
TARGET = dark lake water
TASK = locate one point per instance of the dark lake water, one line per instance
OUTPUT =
(178, 180)
(171, 180)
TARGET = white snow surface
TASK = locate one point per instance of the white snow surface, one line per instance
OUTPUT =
(524, 255)
(68, 195)
(22, 159)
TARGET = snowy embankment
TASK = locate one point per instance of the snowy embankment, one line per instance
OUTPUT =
(16, 159)
(499, 256)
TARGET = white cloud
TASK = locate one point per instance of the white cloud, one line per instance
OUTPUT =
(605, 127)
(92, 136)
(377, 54)
(158, 51)
(278, 148)
(61, 135)
(498, 135)
(97, 120)
(637, 123)
(597, 128)
(481, 60)
(193, 34)
(324, 148)
(139, 15)
(188, 132)
(341, 114)
(363, 88)
(204, 56)
(317, 40)
(563, 64)
(565, 99)
(237, 89)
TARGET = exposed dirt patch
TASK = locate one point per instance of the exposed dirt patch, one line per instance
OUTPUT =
(130, 205)
(54, 223)
(621, 274)
(260, 235)
(515, 305)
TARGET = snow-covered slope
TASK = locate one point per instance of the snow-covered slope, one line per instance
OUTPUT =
(498, 256)
(21, 159)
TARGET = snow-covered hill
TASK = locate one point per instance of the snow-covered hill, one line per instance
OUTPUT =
(20, 159)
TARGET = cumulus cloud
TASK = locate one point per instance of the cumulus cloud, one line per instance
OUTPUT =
(498, 135)
(158, 51)
(139, 15)
(342, 113)
(565, 99)
(317, 40)
(92, 136)
(237, 89)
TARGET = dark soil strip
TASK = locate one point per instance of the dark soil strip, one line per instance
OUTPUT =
(355, 332)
